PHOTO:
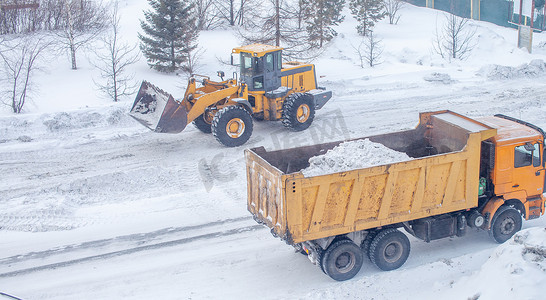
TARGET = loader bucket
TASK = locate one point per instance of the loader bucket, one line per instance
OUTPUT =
(157, 110)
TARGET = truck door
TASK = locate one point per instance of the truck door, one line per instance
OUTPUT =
(528, 173)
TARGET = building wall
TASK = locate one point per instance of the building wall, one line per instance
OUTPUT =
(494, 11)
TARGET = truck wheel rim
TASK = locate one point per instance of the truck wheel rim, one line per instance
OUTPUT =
(393, 252)
(302, 114)
(235, 128)
(507, 226)
(345, 262)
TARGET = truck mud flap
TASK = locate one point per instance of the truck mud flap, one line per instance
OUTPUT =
(157, 110)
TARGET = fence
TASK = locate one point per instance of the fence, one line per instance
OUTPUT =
(500, 12)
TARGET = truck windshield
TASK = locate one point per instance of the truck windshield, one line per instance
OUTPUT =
(250, 66)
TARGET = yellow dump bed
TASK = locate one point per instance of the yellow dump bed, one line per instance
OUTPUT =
(442, 176)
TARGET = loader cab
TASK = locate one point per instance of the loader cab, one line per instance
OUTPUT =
(260, 66)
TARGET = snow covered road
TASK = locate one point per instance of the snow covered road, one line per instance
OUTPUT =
(95, 206)
(110, 210)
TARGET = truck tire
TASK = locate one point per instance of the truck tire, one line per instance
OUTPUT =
(232, 126)
(320, 260)
(298, 111)
(506, 222)
(203, 124)
(367, 242)
(389, 249)
(342, 260)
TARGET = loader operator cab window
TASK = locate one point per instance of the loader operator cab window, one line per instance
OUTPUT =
(269, 65)
(252, 71)
(527, 155)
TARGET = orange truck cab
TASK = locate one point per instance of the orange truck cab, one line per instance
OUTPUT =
(513, 168)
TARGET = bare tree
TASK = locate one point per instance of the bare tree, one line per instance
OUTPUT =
(194, 57)
(83, 21)
(276, 22)
(19, 61)
(455, 40)
(18, 17)
(369, 50)
(392, 8)
(114, 59)
(234, 11)
(207, 15)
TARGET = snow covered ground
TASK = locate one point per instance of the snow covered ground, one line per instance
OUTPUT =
(95, 206)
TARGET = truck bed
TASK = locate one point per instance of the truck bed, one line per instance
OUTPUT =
(441, 177)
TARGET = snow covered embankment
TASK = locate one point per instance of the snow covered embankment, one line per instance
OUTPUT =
(353, 155)
(515, 270)
(533, 69)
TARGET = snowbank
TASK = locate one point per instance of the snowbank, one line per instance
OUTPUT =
(513, 271)
(352, 155)
(535, 68)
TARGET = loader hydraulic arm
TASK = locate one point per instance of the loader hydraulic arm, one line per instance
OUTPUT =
(198, 105)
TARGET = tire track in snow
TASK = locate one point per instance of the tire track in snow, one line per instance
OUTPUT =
(134, 238)
(125, 170)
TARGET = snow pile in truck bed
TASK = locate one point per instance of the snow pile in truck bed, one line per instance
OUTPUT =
(352, 155)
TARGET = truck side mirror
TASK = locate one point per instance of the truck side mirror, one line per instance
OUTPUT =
(529, 147)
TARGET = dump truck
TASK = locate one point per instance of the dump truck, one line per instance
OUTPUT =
(484, 173)
(268, 89)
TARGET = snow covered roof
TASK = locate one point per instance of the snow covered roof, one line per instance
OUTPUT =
(509, 131)
(257, 49)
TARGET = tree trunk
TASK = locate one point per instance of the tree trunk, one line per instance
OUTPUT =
(73, 56)
(71, 37)
(232, 12)
(277, 23)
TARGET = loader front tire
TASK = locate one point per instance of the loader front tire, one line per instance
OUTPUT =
(298, 111)
(203, 123)
(506, 222)
(342, 260)
(389, 249)
(232, 126)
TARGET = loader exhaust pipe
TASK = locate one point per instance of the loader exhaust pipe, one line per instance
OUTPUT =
(157, 110)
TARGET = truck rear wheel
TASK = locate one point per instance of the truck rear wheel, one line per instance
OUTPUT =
(203, 122)
(389, 249)
(298, 111)
(367, 242)
(506, 222)
(342, 260)
(232, 126)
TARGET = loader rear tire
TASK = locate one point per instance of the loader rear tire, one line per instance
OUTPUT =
(203, 124)
(298, 111)
(232, 126)
(506, 222)
(389, 249)
(342, 260)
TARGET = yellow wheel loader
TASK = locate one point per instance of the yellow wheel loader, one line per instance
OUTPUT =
(268, 89)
